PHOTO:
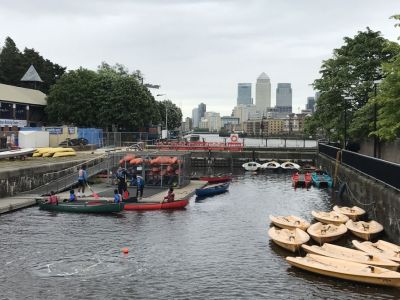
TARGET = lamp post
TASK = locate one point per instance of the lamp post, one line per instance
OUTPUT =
(166, 114)
(376, 82)
(345, 119)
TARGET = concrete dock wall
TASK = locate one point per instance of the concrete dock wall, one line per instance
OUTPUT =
(27, 178)
(381, 201)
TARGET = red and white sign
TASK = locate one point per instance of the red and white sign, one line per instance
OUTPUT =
(234, 138)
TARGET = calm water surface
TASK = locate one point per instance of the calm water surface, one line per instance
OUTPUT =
(215, 249)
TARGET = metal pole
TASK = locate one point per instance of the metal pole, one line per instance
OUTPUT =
(166, 118)
(375, 113)
(345, 123)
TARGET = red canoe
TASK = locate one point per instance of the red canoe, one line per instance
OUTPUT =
(218, 179)
(156, 205)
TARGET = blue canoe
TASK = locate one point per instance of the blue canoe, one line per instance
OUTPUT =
(321, 179)
(212, 190)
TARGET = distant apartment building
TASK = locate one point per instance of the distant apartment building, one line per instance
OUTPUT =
(245, 112)
(228, 121)
(214, 121)
(274, 126)
(294, 123)
(195, 117)
(284, 96)
(252, 127)
(263, 93)
(244, 94)
(203, 124)
(186, 125)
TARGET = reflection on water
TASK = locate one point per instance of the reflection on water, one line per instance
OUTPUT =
(217, 248)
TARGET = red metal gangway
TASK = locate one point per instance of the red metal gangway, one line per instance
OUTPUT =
(201, 146)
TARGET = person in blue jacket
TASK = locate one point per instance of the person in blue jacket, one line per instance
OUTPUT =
(140, 185)
(117, 197)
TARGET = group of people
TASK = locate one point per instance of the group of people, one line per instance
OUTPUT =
(120, 194)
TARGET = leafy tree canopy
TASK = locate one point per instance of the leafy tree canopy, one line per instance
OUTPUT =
(347, 81)
(110, 97)
(174, 114)
(14, 64)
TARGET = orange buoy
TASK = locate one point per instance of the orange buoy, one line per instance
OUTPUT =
(125, 250)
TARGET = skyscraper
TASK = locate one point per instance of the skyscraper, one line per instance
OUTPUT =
(244, 94)
(310, 104)
(201, 110)
(195, 117)
(284, 97)
(263, 93)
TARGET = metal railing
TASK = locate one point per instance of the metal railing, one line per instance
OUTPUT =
(382, 170)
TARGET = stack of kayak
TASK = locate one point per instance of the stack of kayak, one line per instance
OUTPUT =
(54, 152)
(373, 263)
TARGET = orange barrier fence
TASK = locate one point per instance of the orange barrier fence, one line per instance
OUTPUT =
(204, 146)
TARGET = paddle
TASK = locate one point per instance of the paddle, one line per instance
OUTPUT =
(95, 195)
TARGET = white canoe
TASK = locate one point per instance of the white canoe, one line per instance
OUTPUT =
(351, 255)
(288, 165)
(347, 270)
(290, 239)
(331, 217)
(382, 248)
(251, 166)
(16, 153)
(289, 222)
(352, 212)
(273, 165)
(324, 233)
(364, 230)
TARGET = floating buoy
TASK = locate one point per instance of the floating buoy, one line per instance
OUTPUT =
(125, 250)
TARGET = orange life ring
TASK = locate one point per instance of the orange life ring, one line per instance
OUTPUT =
(234, 138)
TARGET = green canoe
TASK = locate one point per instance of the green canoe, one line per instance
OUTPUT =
(84, 207)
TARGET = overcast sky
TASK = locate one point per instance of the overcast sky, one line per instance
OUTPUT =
(197, 50)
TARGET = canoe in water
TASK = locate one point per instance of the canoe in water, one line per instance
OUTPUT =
(331, 217)
(352, 212)
(324, 233)
(83, 207)
(290, 239)
(344, 253)
(289, 222)
(347, 270)
(216, 179)
(381, 248)
(156, 205)
(364, 230)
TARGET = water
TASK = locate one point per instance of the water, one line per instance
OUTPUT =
(215, 249)
(258, 142)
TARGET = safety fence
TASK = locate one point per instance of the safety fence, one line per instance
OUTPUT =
(204, 146)
(382, 170)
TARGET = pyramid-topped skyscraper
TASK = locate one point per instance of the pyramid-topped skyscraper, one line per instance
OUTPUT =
(263, 93)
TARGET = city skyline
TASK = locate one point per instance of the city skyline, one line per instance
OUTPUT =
(196, 63)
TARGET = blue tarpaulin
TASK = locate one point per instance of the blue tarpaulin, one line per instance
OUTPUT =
(93, 135)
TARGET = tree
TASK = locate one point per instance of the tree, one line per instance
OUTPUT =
(14, 64)
(11, 69)
(350, 73)
(110, 97)
(173, 112)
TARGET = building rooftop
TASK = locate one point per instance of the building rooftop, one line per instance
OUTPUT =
(263, 76)
(10, 93)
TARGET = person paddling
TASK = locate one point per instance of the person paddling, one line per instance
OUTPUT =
(72, 196)
(53, 199)
(170, 197)
(117, 197)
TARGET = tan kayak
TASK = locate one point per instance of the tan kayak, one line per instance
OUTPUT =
(347, 270)
(289, 222)
(364, 230)
(324, 233)
(351, 255)
(290, 239)
(352, 212)
(331, 217)
(381, 248)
